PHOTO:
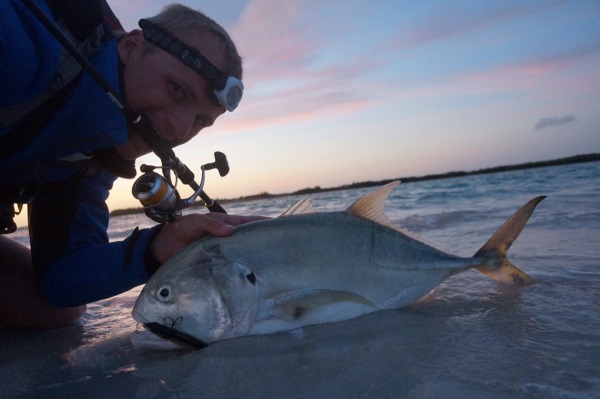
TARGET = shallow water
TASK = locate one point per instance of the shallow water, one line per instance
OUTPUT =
(471, 337)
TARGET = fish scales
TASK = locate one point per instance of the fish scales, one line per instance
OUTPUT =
(362, 256)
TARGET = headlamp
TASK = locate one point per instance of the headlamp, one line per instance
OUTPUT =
(225, 91)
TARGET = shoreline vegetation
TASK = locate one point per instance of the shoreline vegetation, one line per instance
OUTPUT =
(318, 189)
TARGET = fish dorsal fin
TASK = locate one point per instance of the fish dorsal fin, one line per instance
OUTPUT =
(299, 208)
(370, 206)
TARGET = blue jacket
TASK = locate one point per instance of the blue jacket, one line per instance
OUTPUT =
(68, 216)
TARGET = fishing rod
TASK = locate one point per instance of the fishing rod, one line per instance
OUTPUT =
(158, 194)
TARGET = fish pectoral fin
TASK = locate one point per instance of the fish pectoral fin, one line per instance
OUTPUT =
(299, 305)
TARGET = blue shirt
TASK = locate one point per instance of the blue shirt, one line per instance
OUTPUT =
(73, 259)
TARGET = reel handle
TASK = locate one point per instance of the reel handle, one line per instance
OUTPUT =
(221, 164)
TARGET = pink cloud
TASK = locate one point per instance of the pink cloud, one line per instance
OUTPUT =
(286, 77)
(571, 71)
(277, 35)
(289, 109)
(440, 23)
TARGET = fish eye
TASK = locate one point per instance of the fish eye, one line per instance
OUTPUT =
(164, 293)
(251, 277)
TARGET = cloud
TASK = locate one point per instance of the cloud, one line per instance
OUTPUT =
(440, 22)
(554, 121)
(289, 72)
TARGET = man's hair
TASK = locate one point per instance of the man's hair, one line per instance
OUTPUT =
(182, 22)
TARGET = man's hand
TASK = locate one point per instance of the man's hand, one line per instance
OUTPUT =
(176, 235)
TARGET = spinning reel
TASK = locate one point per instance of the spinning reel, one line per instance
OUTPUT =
(159, 195)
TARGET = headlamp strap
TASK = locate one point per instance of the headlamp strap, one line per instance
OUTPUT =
(190, 56)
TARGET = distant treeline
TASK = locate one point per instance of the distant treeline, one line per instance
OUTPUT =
(317, 189)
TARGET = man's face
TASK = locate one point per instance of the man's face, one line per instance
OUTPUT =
(173, 96)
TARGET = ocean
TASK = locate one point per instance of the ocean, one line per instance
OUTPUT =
(470, 338)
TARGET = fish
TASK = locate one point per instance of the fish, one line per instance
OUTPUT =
(305, 268)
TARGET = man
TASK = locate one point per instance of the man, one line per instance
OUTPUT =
(77, 146)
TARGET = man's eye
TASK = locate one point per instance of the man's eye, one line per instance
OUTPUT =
(178, 92)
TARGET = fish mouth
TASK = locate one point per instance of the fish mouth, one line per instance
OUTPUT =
(175, 336)
(169, 333)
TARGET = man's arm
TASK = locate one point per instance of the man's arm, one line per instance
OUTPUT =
(73, 259)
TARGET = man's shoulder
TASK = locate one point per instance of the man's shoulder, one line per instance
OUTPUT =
(29, 54)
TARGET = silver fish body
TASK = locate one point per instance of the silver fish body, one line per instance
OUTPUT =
(308, 268)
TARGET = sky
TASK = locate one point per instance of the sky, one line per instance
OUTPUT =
(338, 92)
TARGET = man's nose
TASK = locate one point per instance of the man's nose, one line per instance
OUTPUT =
(182, 123)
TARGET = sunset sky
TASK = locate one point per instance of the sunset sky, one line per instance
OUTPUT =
(346, 91)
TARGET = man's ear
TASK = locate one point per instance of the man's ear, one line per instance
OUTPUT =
(129, 43)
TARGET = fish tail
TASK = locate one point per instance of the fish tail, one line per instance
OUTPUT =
(494, 251)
